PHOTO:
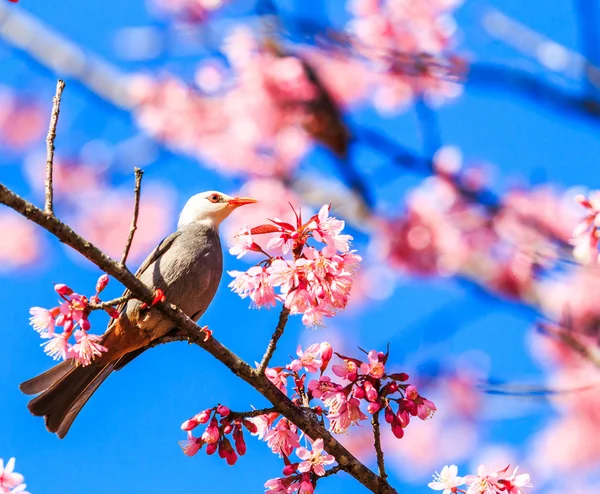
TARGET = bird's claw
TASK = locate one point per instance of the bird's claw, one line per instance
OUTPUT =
(159, 296)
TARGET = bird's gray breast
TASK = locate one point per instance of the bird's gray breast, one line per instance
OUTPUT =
(188, 272)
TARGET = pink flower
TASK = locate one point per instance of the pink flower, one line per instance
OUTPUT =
(58, 346)
(283, 274)
(346, 370)
(242, 243)
(42, 321)
(345, 415)
(191, 445)
(375, 368)
(278, 378)
(262, 423)
(516, 483)
(310, 359)
(211, 434)
(306, 486)
(484, 482)
(282, 439)
(277, 486)
(323, 388)
(254, 283)
(314, 460)
(9, 479)
(328, 230)
(447, 480)
(86, 348)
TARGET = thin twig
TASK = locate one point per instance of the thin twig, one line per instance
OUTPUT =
(49, 206)
(588, 352)
(136, 211)
(332, 471)
(377, 443)
(109, 303)
(194, 334)
(283, 317)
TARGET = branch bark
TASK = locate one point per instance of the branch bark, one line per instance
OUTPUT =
(136, 211)
(377, 444)
(49, 206)
(193, 334)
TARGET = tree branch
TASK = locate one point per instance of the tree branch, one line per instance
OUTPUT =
(283, 317)
(251, 413)
(282, 404)
(109, 303)
(49, 207)
(377, 444)
(136, 211)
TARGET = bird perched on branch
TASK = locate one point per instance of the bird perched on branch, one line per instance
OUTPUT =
(186, 266)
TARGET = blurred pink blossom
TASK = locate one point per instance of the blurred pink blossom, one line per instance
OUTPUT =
(20, 247)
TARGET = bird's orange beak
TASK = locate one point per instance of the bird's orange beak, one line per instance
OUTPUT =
(236, 202)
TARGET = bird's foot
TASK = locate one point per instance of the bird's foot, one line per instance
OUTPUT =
(159, 296)
(207, 332)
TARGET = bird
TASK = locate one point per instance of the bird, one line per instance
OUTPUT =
(187, 266)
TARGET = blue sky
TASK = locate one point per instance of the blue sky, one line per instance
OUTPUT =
(125, 440)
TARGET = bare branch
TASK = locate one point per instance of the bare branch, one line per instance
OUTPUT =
(282, 404)
(377, 443)
(49, 207)
(136, 211)
(109, 303)
(283, 317)
(331, 471)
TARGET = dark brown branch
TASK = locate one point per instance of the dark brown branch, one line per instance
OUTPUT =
(251, 413)
(282, 404)
(136, 211)
(377, 443)
(283, 317)
(49, 206)
(332, 471)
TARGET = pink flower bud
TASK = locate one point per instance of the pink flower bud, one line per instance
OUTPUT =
(63, 289)
(223, 410)
(101, 283)
(250, 426)
(359, 392)
(290, 469)
(326, 354)
(112, 312)
(85, 324)
(211, 448)
(391, 388)
(68, 326)
(240, 444)
(373, 407)
(190, 424)
(403, 418)
(60, 320)
(228, 428)
(203, 417)
(390, 417)
(211, 434)
(94, 299)
(397, 430)
(370, 391)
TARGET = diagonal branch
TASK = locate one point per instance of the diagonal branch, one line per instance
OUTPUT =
(193, 333)
(136, 211)
(278, 333)
(48, 206)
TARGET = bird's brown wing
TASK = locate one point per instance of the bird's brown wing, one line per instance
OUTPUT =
(154, 256)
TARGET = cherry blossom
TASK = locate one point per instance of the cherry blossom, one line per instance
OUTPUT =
(282, 439)
(309, 359)
(314, 460)
(314, 283)
(447, 480)
(11, 482)
(72, 316)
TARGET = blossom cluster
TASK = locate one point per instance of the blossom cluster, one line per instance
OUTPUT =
(352, 383)
(586, 233)
(11, 482)
(485, 482)
(72, 316)
(409, 45)
(314, 283)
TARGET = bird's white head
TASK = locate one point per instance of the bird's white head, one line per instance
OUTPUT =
(210, 207)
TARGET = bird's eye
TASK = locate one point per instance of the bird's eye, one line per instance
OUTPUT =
(215, 198)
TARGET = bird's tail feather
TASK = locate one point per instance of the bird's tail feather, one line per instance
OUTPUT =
(65, 389)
